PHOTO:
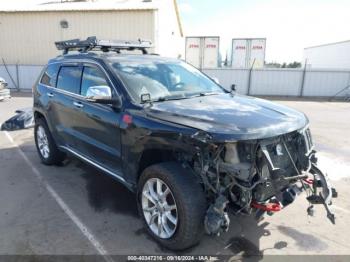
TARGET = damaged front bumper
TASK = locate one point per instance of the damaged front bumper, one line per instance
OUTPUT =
(259, 177)
(318, 190)
(312, 180)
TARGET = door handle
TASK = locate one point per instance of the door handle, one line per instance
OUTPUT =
(50, 94)
(78, 104)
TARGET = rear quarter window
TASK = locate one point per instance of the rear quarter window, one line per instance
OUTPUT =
(50, 75)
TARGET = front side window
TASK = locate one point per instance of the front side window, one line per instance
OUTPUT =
(69, 79)
(163, 80)
(92, 77)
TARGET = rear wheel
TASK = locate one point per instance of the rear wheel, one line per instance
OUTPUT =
(172, 204)
(46, 146)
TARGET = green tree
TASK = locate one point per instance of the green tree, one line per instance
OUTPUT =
(295, 64)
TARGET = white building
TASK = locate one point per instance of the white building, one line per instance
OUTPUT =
(28, 31)
(333, 56)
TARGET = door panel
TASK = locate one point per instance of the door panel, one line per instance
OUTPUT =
(99, 135)
(62, 112)
(98, 124)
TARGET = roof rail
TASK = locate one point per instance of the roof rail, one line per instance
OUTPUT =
(92, 43)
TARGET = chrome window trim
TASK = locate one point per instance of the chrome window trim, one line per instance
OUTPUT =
(82, 61)
(74, 63)
(74, 152)
(64, 92)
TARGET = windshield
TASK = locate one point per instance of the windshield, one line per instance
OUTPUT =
(164, 81)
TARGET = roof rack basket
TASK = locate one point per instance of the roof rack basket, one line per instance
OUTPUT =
(92, 43)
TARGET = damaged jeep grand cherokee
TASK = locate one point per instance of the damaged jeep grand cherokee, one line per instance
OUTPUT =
(193, 152)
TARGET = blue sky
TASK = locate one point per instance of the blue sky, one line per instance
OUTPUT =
(288, 25)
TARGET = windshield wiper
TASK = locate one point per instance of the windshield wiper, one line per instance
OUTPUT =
(208, 93)
(203, 94)
(167, 98)
(160, 99)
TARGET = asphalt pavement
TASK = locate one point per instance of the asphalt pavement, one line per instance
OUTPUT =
(75, 209)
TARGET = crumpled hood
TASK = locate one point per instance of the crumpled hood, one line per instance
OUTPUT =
(230, 117)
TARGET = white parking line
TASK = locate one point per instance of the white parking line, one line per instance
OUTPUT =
(86, 232)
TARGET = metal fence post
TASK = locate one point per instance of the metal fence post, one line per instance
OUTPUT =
(250, 78)
(8, 72)
(303, 80)
(17, 77)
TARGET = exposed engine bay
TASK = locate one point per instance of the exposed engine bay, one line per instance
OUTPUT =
(260, 176)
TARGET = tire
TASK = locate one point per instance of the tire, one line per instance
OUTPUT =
(54, 156)
(189, 199)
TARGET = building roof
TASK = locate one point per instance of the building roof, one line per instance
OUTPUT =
(89, 5)
(86, 5)
(335, 43)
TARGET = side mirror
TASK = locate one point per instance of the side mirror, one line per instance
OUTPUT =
(102, 95)
(99, 91)
(233, 88)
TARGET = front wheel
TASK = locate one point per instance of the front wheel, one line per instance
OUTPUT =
(172, 204)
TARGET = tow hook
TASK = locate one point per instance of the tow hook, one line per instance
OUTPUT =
(308, 181)
(269, 207)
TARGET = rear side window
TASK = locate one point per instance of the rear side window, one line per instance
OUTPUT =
(69, 79)
(50, 75)
(92, 76)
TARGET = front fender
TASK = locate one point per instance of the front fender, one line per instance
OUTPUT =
(150, 134)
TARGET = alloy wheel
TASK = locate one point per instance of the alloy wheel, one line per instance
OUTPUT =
(159, 208)
(43, 143)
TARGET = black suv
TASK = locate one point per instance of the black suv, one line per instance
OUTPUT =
(192, 151)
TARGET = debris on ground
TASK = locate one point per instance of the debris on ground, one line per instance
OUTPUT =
(22, 120)
(4, 92)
